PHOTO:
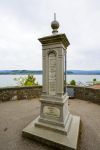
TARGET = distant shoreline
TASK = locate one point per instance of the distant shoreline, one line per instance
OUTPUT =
(39, 72)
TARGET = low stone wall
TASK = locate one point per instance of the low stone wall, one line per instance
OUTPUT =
(86, 93)
(19, 93)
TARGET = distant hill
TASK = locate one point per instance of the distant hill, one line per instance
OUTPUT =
(24, 72)
(86, 72)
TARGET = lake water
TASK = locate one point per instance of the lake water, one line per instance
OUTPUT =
(8, 80)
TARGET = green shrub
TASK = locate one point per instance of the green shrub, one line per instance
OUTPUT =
(26, 81)
(94, 81)
(72, 82)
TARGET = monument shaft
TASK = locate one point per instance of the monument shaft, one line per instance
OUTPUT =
(54, 100)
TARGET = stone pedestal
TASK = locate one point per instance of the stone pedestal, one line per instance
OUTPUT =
(54, 138)
(55, 125)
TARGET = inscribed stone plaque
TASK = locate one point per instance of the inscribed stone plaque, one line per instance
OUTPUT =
(51, 111)
(52, 74)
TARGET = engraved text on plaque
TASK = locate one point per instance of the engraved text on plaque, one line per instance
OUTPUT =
(52, 74)
(51, 111)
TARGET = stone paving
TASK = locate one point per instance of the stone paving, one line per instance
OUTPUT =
(15, 115)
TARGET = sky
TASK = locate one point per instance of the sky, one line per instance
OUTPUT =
(22, 22)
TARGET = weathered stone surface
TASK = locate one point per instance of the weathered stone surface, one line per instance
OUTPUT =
(19, 93)
(52, 74)
(51, 111)
(86, 93)
(54, 138)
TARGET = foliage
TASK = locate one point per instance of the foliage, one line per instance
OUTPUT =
(98, 82)
(94, 80)
(72, 82)
(26, 81)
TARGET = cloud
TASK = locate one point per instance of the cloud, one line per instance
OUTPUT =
(22, 22)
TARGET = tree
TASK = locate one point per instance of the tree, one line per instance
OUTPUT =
(72, 82)
(94, 80)
(27, 81)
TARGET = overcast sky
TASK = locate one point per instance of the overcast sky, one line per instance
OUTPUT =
(22, 22)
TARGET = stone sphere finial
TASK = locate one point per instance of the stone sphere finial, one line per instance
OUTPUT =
(55, 25)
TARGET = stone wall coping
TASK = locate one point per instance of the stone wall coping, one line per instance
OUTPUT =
(83, 87)
(19, 87)
(40, 86)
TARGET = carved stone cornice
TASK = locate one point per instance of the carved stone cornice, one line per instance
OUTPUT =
(54, 39)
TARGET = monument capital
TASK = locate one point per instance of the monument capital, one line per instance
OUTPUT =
(54, 39)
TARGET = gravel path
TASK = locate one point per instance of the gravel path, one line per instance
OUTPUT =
(15, 115)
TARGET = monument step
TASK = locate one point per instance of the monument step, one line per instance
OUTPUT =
(57, 127)
(52, 138)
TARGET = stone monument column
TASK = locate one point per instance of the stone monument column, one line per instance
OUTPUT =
(55, 124)
(54, 100)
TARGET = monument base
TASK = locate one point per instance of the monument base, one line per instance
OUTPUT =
(54, 138)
